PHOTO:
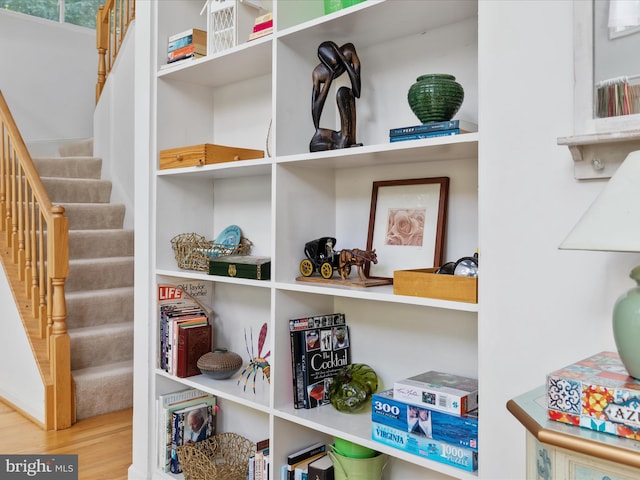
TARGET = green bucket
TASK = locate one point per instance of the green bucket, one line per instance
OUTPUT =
(346, 468)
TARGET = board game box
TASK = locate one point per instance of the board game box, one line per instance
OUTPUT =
(460, 430)
(596, 393)
(435, 450)
(439, 391)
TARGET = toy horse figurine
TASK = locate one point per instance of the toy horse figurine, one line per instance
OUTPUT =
(358, 258)
(334, 61)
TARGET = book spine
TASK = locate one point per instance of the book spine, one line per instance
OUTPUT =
(183, 52)
(179, 43)
(296, 371)
(262, 26)
(261, 33)
(425, 128)
(309, 452)
(191, 55)
(416, 136)
(317, 321)
(192, 344)
(199, 36)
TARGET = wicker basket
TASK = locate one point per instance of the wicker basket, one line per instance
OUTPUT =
(224, 456)
(193, 251)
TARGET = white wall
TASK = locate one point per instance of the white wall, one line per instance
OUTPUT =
(541, 308)
(48, 76)
(113, 139)
(22, 386)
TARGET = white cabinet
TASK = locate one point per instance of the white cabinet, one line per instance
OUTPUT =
(546, 462)
(559, 451)
(258, 93)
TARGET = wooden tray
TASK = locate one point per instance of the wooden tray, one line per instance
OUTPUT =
(425, 282)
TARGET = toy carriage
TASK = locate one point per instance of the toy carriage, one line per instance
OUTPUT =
(321, 257)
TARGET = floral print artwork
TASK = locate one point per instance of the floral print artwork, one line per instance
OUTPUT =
(405, 226)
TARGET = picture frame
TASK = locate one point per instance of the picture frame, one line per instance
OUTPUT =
(407, 224)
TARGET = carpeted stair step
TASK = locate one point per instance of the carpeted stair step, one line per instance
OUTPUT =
(69, 167)
(94, 216)
(101, 344)
(103, 389)
(100, 243)
(77, 190)
(95, 274)
(99, 307)
(77, 148)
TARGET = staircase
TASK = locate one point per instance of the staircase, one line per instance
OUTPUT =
(99, 288)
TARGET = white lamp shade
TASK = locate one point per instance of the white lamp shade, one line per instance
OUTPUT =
(612, 222)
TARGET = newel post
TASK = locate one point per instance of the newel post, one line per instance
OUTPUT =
(59, 341)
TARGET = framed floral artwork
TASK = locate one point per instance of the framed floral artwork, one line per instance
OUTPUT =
(407, 222)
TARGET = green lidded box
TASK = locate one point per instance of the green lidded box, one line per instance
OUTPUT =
(241, 266)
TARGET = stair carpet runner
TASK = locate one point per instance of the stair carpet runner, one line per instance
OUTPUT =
(99, 288)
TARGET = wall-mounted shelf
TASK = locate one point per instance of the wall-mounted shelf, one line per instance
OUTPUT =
(598, 155)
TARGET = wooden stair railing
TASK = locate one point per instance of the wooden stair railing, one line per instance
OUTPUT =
(112, 21)
(34, 239)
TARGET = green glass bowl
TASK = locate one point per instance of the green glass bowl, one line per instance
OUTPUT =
(435, 97)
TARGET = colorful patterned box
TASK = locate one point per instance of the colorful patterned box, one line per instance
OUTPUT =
(435, 450)
(596, 393)
(461, 431)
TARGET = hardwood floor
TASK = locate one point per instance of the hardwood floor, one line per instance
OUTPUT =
(103, 443)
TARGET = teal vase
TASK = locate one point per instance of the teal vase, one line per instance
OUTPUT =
(626, 326)
(435, 97)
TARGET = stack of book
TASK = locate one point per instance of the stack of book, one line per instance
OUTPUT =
(433, 415)
(434, 129)
(259, 462)
(320, 348)
(300, 464)
(191, 43)
(174, 428)
(185, 332)
(262, 26)
(596, 393)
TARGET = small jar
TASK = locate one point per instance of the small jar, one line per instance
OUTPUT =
(220, 363)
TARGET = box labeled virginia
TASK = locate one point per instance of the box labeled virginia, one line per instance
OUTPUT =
(459, 430)
(596, 393)
(439, 391)
(435, 450)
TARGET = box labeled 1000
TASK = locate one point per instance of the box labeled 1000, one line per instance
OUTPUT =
(458, 430)
(463, 458)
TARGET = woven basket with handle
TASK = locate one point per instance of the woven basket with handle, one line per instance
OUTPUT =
(224, 456)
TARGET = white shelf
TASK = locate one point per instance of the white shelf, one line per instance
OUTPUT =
(227, 389)
(377, 294)
(247, 60)
(598, 155)
(411, 151)
(280, 202)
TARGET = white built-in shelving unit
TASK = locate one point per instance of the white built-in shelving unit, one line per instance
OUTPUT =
(235, 98)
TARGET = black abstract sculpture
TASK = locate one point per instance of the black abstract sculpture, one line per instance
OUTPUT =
(334, 61)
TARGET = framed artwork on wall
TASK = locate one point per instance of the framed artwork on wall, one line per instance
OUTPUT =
(407, 222)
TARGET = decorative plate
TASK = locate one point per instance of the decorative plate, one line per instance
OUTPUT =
(229, 236)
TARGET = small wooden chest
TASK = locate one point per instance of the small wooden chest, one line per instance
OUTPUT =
(205, 154)
(241, 266)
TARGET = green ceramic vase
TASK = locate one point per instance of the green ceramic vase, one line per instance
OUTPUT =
(626, 326)
(435, 97)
